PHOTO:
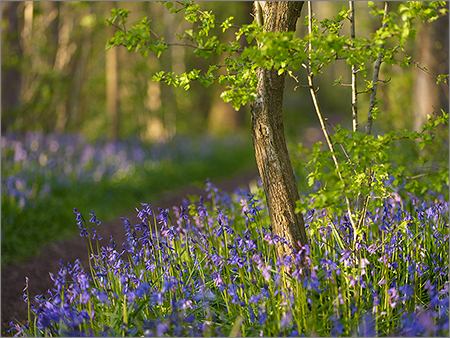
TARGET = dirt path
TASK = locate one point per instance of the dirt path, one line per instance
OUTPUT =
(37, 269)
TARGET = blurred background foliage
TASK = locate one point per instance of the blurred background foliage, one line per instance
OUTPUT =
(57, 77)
(66, 103)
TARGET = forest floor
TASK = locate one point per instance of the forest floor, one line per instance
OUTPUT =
(68, 250)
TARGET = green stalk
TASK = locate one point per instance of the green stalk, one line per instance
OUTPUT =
(124, 312)
(90, 311)
(225, 298)
(28, 302)
(90, 252)
(157, 236)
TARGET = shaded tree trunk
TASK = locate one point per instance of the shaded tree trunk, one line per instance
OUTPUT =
(112, 88)
(64, 53)
(151, 119)
(51, 10)
(80, 74)
(11, 75)
(269, 141)
(222, 117)
(432, 52)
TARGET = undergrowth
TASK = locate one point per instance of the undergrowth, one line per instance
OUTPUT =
(43, 177)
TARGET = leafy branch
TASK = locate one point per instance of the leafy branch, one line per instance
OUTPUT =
(281, 51)
(323, 45)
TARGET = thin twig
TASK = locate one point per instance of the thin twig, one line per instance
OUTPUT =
(376, 72)
(354, 70)
(361, 199)
(324, 129)
(309, 27)
(417, 176)
(204, 14)
(424, 69)
(183, 44)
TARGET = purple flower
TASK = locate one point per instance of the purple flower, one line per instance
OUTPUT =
(218, 280)
(338, 327)
(329, 266)
(102, 296)
(251, 314)
(202, 211)
(408, 290)
(234, 293)
(366, 327)
(254, 299)
(262, 315)
(266, 272)
(422, 324)
(212, 190)
(94, 218)
(157, 298)
(161, 329)
(393, 297)
(286, 319)
(25, 297)
(445, 289)
(96, 235)
(346, 257)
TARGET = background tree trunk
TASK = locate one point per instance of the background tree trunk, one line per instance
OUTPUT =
(432, 51)
(112, 88)
(11, 76)
(269, 141)
(51, 10)
(64, 54)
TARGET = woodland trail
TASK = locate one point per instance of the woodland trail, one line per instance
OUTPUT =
(68, 250)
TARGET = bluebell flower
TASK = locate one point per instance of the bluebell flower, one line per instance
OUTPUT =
(96, 235)
(393, 297)
(337, 328)
(262, 315)
(94, 218)
(366, 326)
(445, 289)
(202, 211)
(294, 332)
(210, 188)
(157, 298)
(329, 266)
(266, 272)
(24, 291)
(286, 319)
(103, 297)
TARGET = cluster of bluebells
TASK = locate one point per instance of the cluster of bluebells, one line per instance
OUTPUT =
(211, 269)
(35, 163)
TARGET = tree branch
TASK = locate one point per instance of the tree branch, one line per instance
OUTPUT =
(324, 128)
(376, 72)
(204, 14)
(354, 71)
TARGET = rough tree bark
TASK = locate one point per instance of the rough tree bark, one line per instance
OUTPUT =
(271, 152)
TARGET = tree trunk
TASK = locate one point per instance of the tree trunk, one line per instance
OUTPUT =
(432, 51)
(62, 65)
(269, 141)
(112, 87)
(80, 74)
(51, 10)
(11, 76)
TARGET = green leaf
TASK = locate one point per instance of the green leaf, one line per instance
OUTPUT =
(310, 181)
(144, 52)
